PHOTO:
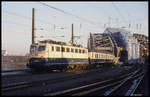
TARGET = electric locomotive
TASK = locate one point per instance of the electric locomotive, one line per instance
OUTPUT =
(51, 55)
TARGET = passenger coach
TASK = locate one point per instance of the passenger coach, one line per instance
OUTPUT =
(100, 58)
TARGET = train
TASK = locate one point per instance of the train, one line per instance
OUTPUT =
(63, 56)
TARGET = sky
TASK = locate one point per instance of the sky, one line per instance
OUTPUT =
(86, 16)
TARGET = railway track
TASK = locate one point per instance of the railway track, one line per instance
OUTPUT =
(14, 70)
(18, 72)
(127, 87)
(106, 87)
(20, 85)
(81, 90)
(143, 86)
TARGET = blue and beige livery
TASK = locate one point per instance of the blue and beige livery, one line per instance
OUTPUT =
(57, 56)
(100, 57)
(51, 55)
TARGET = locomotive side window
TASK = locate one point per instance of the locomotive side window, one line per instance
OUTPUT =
(79, 50)
(57, 48)
(41, 48)
(76, 50)
(68, 49)
(52, 48)
(72, 50)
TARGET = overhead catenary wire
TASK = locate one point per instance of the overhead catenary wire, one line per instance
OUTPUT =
(124, 20)
(73, 15)
(117, 9)
(16, 14)
(20, 24)
(68, 13)
(26, 17)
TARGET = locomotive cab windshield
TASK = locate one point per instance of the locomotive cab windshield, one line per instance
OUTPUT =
(38, 50)
(41, 48)
(33, 48)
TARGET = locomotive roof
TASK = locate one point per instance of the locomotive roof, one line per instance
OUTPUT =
(59, 43)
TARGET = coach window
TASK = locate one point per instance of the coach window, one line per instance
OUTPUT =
(52, 48)
(58, 49)
(68, 49)
(72, 50)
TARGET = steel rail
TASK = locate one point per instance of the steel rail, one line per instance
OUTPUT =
(112, 84)
(15, 70)
(136, 83)
(74, 89)
(110, 91)
(17, 73)
(96, 89)
(86, 86)
(14, 86)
